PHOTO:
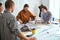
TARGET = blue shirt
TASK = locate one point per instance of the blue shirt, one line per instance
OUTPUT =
(46, 16)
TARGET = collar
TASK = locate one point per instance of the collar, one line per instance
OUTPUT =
(6, 11)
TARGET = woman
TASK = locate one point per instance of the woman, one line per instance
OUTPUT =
(45, 15)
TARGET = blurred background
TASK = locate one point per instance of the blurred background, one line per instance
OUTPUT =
(52, 5)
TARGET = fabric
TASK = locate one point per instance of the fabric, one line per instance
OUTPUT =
(0, 14)
(10, 27)
(46, 16)
(1, 27)
(25, 16)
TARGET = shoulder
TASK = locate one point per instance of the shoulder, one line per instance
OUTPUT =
(12, 17)
(28, 10)
(49, 12)
(21, 11)
(8, 16)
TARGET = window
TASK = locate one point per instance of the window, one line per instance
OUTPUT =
(54, 8)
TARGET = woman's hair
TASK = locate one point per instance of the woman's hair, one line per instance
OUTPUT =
(26, 5)
(42, 6)
(0, 4)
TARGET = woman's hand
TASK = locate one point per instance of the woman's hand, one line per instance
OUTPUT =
(32, 38)
(20, 21)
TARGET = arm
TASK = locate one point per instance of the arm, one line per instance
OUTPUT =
(22, 36)
(20, 21)
(48, 16)
(14, 29)
(32, 16)
(18, 17)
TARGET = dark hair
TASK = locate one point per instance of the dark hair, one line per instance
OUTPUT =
(8, 3)
(44, 7)
(9, 0)
(0, 4)
(26, 5)
(41, 6)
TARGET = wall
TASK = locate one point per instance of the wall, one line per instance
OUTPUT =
(59, 9)
(54, 8)
(52, 5)
(45, 2)
(33, 6)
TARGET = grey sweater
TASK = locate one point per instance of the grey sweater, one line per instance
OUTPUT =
(9, 27)
(46, 16)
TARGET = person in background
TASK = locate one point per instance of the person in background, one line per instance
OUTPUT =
(40, 7)
(10, 24)
(0, 18)
(1, 8)
(45, 15)
(24, 15)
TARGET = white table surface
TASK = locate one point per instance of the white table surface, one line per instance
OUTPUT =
(45, 32)
(48, 32)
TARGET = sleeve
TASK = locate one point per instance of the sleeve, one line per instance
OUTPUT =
(31, 15)
(13, 26)
(48, 16)
(18, 16)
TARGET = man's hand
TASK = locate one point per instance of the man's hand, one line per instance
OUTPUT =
(32, 38)
(26, 39)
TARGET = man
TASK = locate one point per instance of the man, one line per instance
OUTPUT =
(45, 15)
(25, 15)
(10, 25)
(1, 9)
(0, 19)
